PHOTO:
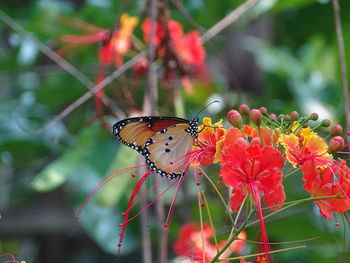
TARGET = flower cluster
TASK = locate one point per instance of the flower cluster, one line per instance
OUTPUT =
(181, 55)
(254, 153)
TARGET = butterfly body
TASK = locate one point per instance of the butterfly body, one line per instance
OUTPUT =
(163, 141)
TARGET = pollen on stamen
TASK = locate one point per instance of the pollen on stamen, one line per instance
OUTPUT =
(165, 225)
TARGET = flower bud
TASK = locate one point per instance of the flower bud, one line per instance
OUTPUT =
(256, 117)
(294, 115)
(273, 116)
(314, 116)
(235, 118)
(244, 109)
(326, 123)
(263, 110)
(336, 130)
(336, 144)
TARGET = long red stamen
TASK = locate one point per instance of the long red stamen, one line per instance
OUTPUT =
(263, 237)
(99, 186)
(145, 193)
(150, 203)
(126, 214)
(12, 260)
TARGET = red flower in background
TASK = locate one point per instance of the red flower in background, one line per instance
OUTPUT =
(192, 238)
(115, 45)
(181, 52)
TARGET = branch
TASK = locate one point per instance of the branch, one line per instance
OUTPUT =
(64, 64)
(228, 20)
(92, 92)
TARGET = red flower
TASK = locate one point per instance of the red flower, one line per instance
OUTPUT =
(253, 169)
(191, 49)
(245, 165)
(192, 238)
(183, 53)
(333, 180)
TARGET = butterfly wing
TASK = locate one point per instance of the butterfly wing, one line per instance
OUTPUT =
(134, 132)
(165, 150)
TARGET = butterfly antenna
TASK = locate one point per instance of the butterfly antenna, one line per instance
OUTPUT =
(215, 101)
(192, 115)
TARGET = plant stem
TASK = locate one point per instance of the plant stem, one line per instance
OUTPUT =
(263, 253)
(291, 204)
(233, 237)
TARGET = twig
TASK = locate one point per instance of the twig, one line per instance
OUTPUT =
(151, 94)
(150, 108)
(342, 61)
(262, 254)
(92, 92)
(64, 64)
(228, 20)
(187, 15)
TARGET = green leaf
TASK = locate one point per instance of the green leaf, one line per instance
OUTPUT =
(56, 172)
(93, 149)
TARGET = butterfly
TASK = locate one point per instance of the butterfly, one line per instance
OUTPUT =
(161, 140)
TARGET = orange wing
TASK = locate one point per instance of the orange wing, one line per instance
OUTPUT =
(134, 132)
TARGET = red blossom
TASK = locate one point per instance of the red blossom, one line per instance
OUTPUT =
(192, 238)
(184, 53)
(191, 49)
(207, 151)
(253, 169)
(333, 180)
(244, 164)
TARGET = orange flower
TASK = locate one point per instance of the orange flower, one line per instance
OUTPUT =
(304, 147)
(115, 44)
(209, 136)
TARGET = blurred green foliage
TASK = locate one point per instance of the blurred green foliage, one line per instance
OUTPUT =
(299, 65)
